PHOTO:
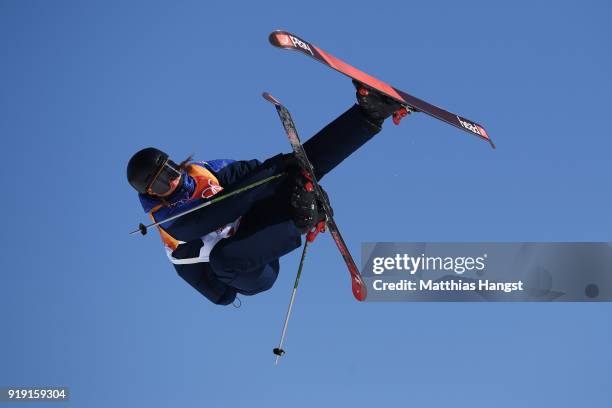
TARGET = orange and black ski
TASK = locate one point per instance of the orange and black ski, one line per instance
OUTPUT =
(286, 40)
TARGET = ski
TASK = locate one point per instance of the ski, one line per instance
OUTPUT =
(357, 284)
(286, 40)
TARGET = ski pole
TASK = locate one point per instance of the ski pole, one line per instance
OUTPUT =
(279, 350)
(143, 228)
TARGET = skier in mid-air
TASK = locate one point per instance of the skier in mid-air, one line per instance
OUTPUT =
(233, 247)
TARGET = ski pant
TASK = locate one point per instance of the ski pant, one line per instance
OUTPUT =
(249, 261)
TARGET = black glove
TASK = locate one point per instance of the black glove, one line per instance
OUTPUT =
(306, 210)
(375, 106)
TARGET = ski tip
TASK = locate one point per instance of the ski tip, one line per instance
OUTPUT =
(360, 291)
(272, 38)
(280, 38)
(483, 134)
(287, 41)
(270, 98)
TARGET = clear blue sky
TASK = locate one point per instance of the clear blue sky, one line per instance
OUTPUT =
(85, 84)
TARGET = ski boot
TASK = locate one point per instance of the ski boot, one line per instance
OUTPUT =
(378, 107)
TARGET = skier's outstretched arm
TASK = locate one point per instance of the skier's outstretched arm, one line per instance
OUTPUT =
(236, 171)
(199, 223)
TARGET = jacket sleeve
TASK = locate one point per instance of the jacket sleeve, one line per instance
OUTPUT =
(199, 223)
(236, 171)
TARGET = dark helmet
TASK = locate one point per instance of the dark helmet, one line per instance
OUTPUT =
(144, 166)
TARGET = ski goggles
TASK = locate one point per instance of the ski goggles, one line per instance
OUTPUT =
(168, 172)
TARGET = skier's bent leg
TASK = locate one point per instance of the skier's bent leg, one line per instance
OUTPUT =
(338, 140)
(258, 280)
(246, 260)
